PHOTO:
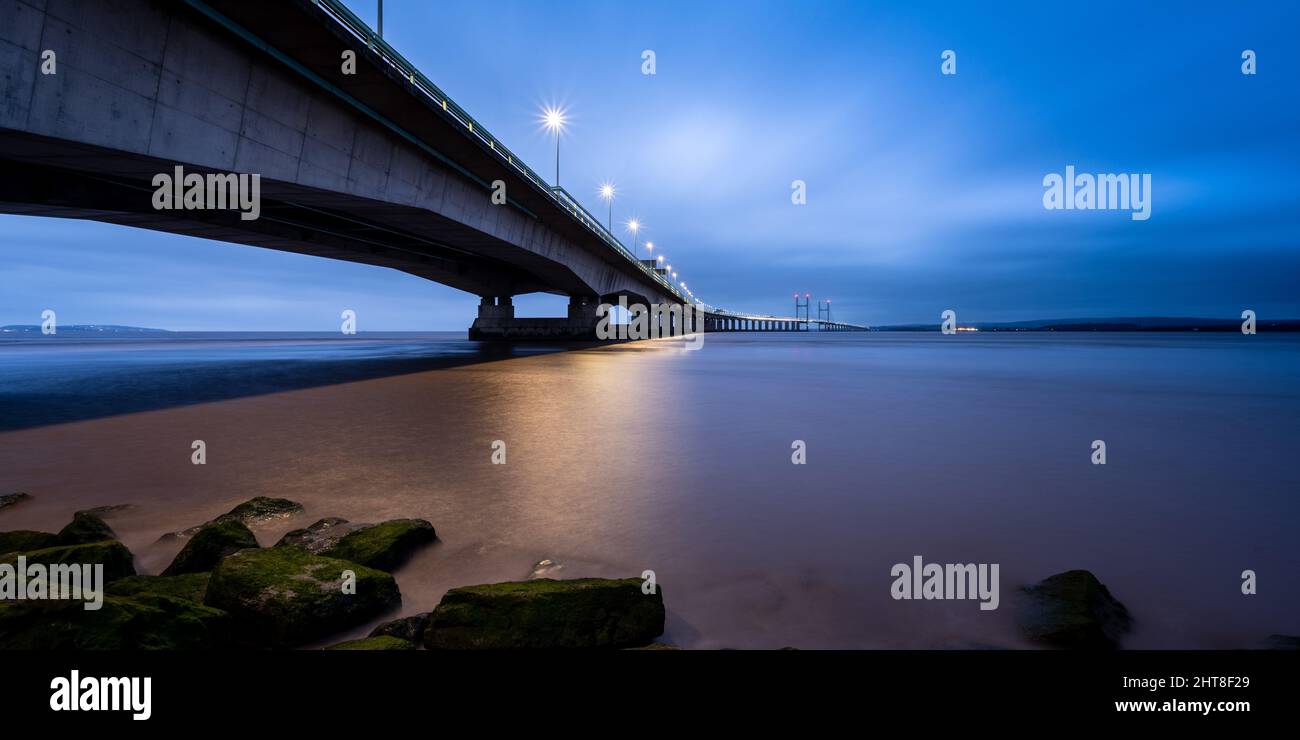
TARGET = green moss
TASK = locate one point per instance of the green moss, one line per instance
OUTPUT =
(285, 596)
(84, 529)
(581, 613)
(113, 555)
(24, 539)
(374, 643)
(209, 545)
(384, 546)
(191, 586)
(146, 622)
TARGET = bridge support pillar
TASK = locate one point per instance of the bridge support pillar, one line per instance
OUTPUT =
(496, 320)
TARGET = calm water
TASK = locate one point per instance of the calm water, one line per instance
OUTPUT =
(972, 448)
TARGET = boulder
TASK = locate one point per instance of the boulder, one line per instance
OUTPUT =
(9, 499)
(209, 545)
(384, 546)
(322, 535)
(191, 586)
(285, 596)
(113, 555)
(253, 511)
(407, 628)
(1073, 610)
(261, 509)
(374, 643)
(546, 569)
(24, 539)
(580, 613)
(84, 529)
(144, 622)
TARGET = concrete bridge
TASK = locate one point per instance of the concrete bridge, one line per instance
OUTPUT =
(376, 166)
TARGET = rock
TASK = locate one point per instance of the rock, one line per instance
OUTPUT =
(104, 511)
(145, 622)
(374, 643)
(9, 499)
(1283, 642)
(546, 569)
(581, 613)
(84, 529)
(24, 539)
(322, 535)
(209, 545)
(191, 586)
(285, 596)
(261, 509)
(113, 555)
(407, 628)
(1073, 610)
(669, 646)
(384, 546)
(253, 511)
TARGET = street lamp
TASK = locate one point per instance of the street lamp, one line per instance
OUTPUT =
(607, 192)
(633, 226)
(553, 120)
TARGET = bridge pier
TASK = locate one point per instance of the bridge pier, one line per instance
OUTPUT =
(496, 320)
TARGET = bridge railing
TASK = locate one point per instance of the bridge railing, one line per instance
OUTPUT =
(357, 27)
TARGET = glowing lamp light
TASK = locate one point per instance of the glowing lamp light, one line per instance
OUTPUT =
(553, 119)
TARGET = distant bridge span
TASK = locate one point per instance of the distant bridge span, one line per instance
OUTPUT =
(378, 167)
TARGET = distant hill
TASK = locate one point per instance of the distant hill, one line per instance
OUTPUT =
(81, 329)
(1136, 323)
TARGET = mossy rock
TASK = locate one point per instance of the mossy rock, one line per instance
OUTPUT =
(84, 529)
(1073, 610)
(285, 596)
(580, 613)
(253, 511)
(113, 555)
(209, 545)
(9, 499)
(24, 539)
(375, 643)
(191, 586)
(261, 509)
(407, 628)
(144, 622)
(384, 546)
(320, 536)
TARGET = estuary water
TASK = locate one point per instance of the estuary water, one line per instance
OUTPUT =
(974, 448)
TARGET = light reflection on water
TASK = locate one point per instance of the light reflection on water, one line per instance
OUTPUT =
(619, 459)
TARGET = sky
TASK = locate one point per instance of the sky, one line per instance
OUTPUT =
(924, 191)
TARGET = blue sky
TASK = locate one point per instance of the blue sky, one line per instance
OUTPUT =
(924, 191)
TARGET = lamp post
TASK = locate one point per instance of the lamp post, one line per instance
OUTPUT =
(633, 226)
(607, 192)
(553, 120)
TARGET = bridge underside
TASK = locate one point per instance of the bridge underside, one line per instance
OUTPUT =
(355, 168)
